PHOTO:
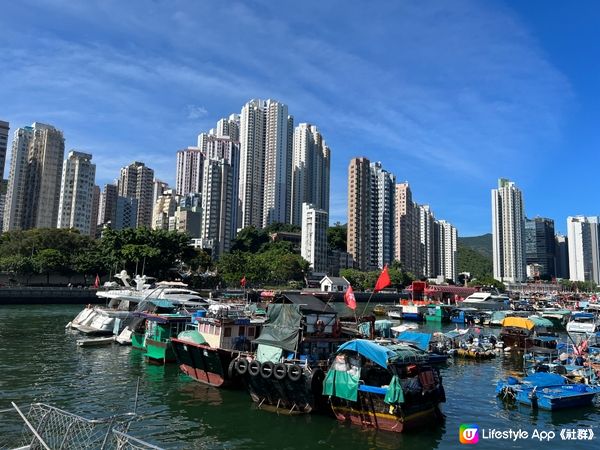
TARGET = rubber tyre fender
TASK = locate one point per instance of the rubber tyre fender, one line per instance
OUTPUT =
(294, 372)
(280, 371)
(241, 365)
(266, 369)
(254, 368)
(231, 369)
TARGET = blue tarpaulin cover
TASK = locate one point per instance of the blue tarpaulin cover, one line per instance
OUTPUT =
(544, 379)
(368, 349)
(421, 340)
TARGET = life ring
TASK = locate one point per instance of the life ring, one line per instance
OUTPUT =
(279, 371)
(294, 372)
(254, 368)
(241, 365)
(266, 369)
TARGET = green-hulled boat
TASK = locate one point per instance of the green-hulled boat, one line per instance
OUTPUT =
(160, 328)
(437, 313)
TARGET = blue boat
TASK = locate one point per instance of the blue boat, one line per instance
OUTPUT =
(546, 391)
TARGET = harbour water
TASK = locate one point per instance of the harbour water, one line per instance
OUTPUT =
(40, 362)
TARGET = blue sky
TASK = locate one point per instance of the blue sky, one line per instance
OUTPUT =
(447, 95)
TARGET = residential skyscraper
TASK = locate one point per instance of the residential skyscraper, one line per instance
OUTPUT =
(136, 181)
(382, 235)
(217, 205)
(314, 237)
(225, 148)
(562, 256)
(188, 176)
(310, 171)
(107, 209)
(252, 163)
(448, 236)
(95, 211)
(4, 127)
(407, 230)
(584, 248)
(278, 163)
(359, 212)
(540, 245)
(33, 191)
(508, 232)
(77, 192)
(126, 213)
(229, 127)
(429, 246)
(164, 207)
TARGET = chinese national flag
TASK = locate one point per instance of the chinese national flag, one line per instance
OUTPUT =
(349, 299)
(243, 281)
(383, 281)
(97, 282)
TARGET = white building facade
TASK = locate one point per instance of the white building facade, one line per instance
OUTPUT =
(508, 233)
(77, 192)
(584, 248)
(314, 237)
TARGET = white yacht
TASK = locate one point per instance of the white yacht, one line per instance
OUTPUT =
(487, 300)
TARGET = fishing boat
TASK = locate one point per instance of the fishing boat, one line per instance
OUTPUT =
(423, 342)
(413, 311)
(463, 315)
(437, 313)
(559, 317)
(523, 333)
(548, 391)
(286, 372)
(387, 387)
(207, 352)
(159, 329)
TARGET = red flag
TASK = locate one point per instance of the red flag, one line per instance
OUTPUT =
(349, 298)
(243, 281)
(97, 282)
(383, 281)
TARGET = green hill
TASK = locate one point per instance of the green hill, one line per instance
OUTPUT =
(481, 244)
(475, 255)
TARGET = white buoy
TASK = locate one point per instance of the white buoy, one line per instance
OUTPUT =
(507, 349)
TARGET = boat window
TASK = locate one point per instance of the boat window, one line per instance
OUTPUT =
(250, 331)
(227, 332)
(242, 331)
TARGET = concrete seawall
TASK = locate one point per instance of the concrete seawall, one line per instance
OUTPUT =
(47, 295)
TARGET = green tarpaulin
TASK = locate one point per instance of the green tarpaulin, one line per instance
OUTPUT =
(282, 327)
(266, 352)
(395, 394)
(341, 384)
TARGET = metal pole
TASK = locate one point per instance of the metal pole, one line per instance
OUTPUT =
(33, 430)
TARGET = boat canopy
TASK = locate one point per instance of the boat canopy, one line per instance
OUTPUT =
(421, 340)
(383, 354)
(192, 336)
(282, 327)
(540, 322)
(518, 322)
(544, 379)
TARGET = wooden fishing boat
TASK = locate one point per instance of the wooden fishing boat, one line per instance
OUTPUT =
(386, 387)
(159, 330)
(286, 372)
(207, 352)
(522, 333)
